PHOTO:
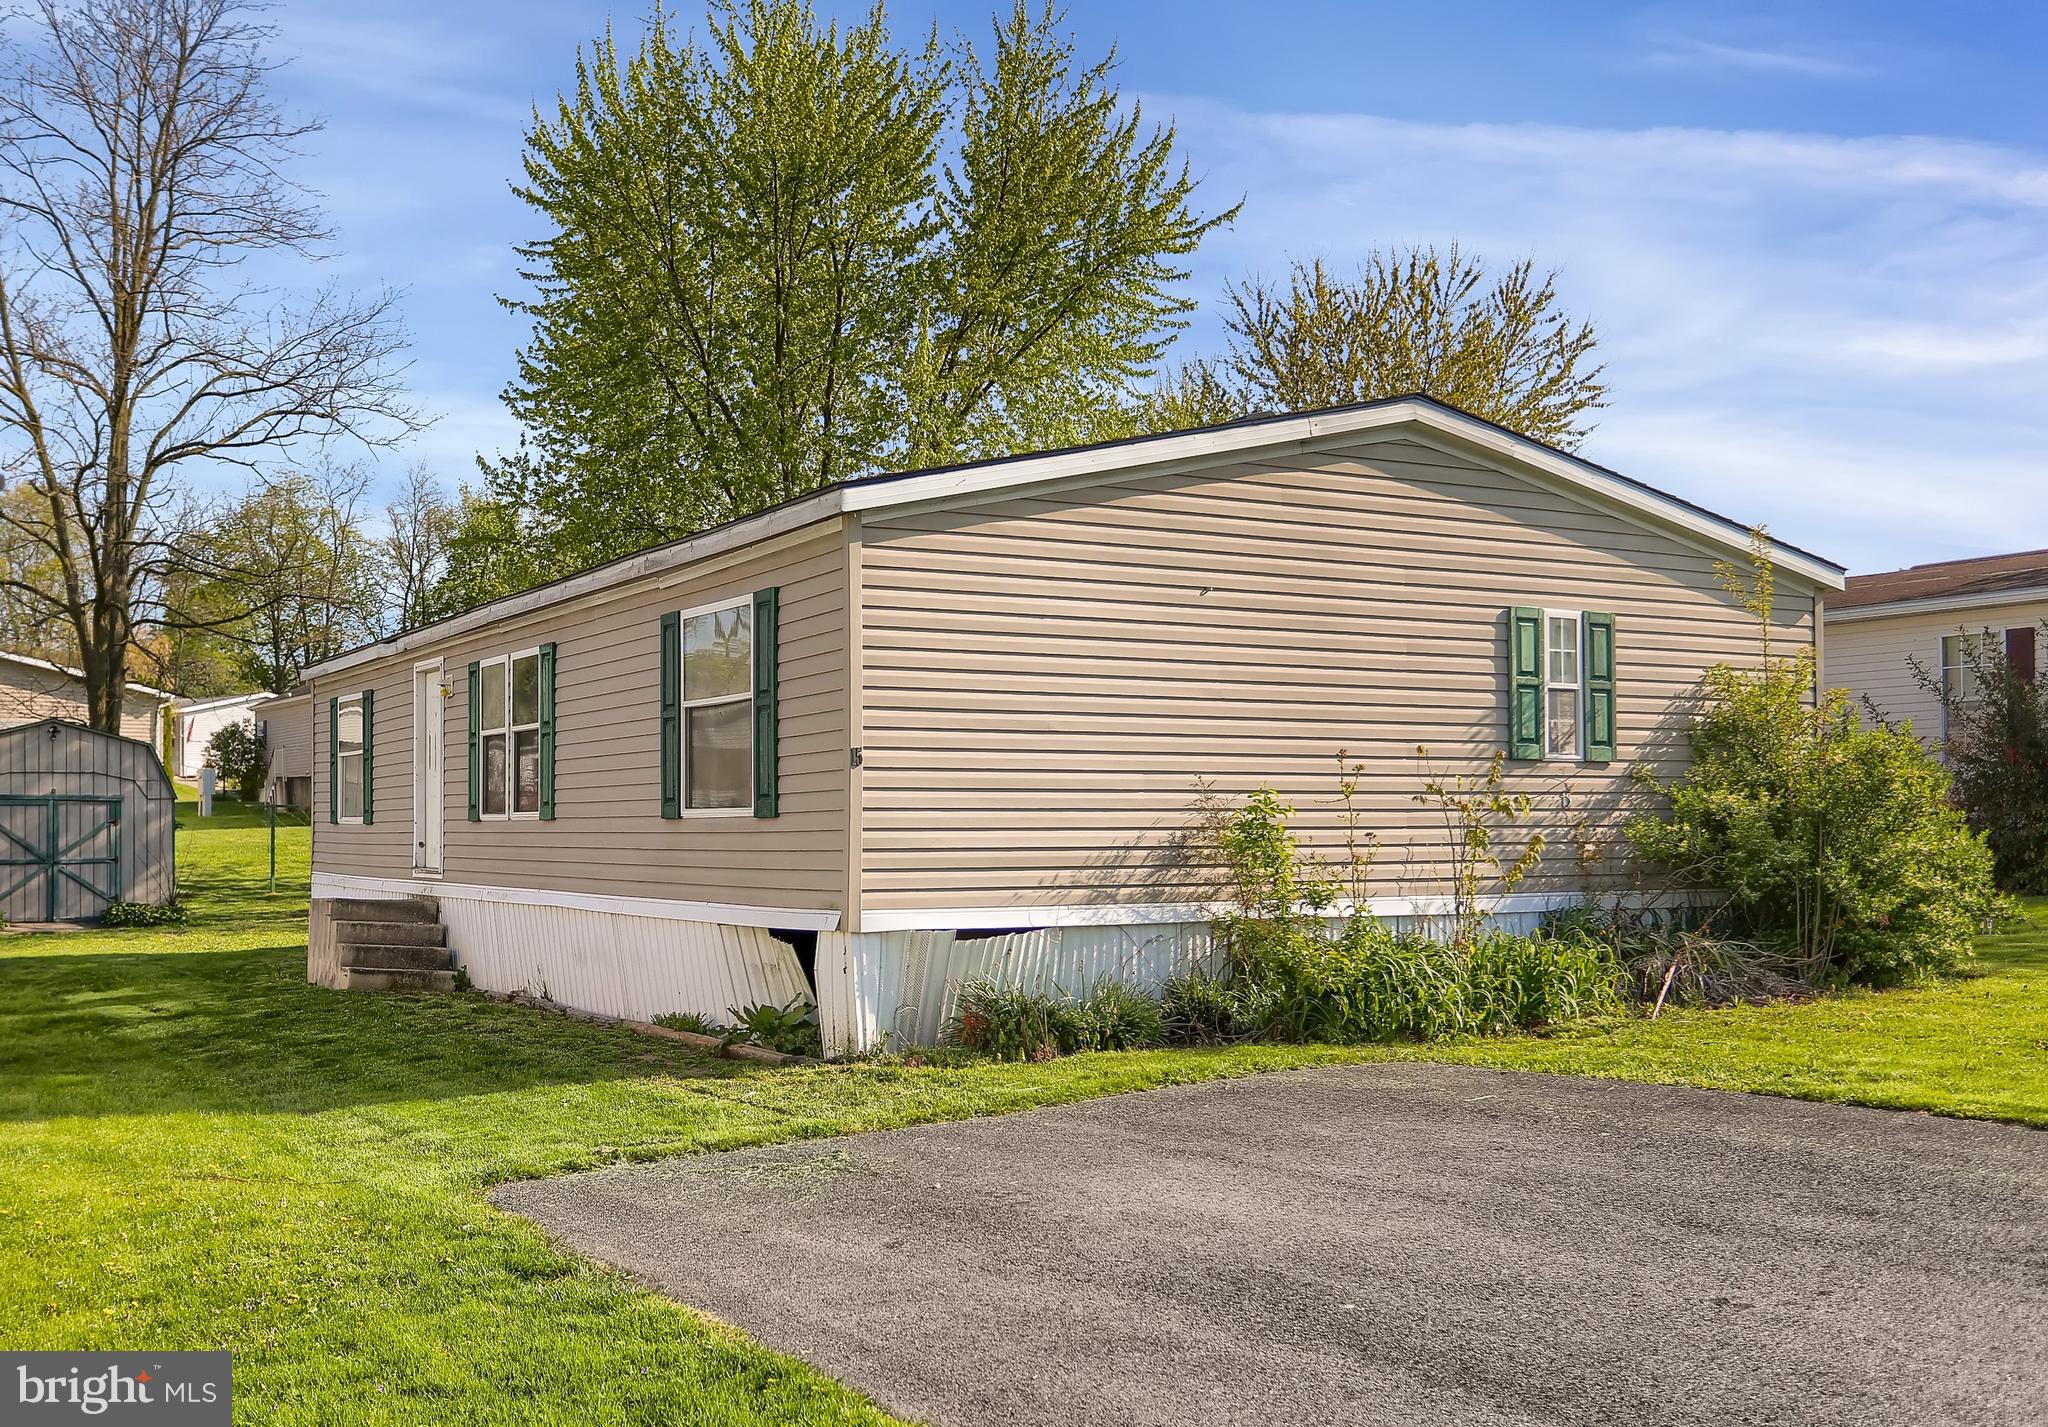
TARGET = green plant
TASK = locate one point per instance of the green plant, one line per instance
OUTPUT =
(1119, 1017)
(1835, 843)
(1996, 746)
(693, 1023)
(791, 1029)
(145, 914)
(1010, 1023)
(1201, 1007)
(1477, 812)
(240, 758)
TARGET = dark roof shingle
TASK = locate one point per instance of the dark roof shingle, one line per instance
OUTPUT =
(1984, 575)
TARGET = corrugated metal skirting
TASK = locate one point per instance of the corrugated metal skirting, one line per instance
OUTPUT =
(618, 965)
(900, 988)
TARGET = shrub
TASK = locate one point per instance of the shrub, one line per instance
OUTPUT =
(1119, 1017)
(1836, 843)
(241, 759)
(1010, 1023)
(145, 914)
(1996, 746)
(1202, 1008)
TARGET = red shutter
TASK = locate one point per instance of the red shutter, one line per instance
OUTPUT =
(2019, 652)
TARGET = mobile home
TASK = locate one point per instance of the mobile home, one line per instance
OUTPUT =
(914, 728)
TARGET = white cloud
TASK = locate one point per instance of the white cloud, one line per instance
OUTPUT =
(1845, 337)
(1692, 52)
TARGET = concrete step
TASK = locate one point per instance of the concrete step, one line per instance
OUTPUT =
(371, 978)
(392, 956)
(384, 909)
(382, 933)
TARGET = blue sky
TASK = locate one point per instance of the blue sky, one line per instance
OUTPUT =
(1814, 237)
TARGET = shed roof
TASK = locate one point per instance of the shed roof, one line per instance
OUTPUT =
(949, 485)
(155, 760)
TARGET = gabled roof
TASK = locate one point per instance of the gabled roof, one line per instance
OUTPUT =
(220, 701)
(31, 662)
(53, 722)
(1947, 584)
(961, 484)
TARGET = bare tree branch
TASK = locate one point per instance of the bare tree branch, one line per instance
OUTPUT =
(141, 164)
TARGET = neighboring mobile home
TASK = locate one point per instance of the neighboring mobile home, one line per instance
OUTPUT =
(1880, 626)
(32, 690)
(285, 728)
(950, 723)
(194, 722)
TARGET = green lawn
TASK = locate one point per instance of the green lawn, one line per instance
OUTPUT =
(202, 1151)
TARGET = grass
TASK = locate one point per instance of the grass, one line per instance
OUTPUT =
(202, 1151)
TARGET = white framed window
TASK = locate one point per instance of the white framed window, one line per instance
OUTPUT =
(349, 792)
(717, 723)
(1563, 703)
(508, 735)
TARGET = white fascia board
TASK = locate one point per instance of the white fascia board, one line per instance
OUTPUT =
(730, 914)
(782, 519)
(224, 701)
(1938, 604)
(942, 487)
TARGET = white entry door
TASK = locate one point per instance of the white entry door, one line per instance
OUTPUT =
(426, 767)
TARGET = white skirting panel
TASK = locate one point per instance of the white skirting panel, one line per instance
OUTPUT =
(619, 965)
(900, 988)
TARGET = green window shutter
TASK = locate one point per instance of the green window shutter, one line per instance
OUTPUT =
(767, 625)
(1525, 682)
(334, 760)
(369, 769)
(1599, 688)
(547, 731)
(672, 715)
(476, 744)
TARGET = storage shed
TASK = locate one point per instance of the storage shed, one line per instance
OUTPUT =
(86, 818)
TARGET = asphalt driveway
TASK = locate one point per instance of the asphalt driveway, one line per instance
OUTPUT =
(1389, 1244)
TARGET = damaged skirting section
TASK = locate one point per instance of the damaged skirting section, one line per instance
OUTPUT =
(899, 988)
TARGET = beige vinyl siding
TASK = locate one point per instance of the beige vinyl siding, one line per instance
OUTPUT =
(1868, 656)
(28, 694)
(608, 836)
(1046, 677)
(288, 724)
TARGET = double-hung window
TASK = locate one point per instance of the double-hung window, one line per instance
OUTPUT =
(351, 760)
(718, 708)
(508, 735)
(1561, 685)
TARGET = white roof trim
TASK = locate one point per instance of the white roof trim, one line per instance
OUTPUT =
(221, 701)
(1245, 438)
(34, 663)
(1939, 604)
(1175, 448)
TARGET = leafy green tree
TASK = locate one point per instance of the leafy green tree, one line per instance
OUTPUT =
(242, 760)
(788, 253)
(285, 575)
(490, 552)
(1413, 320)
